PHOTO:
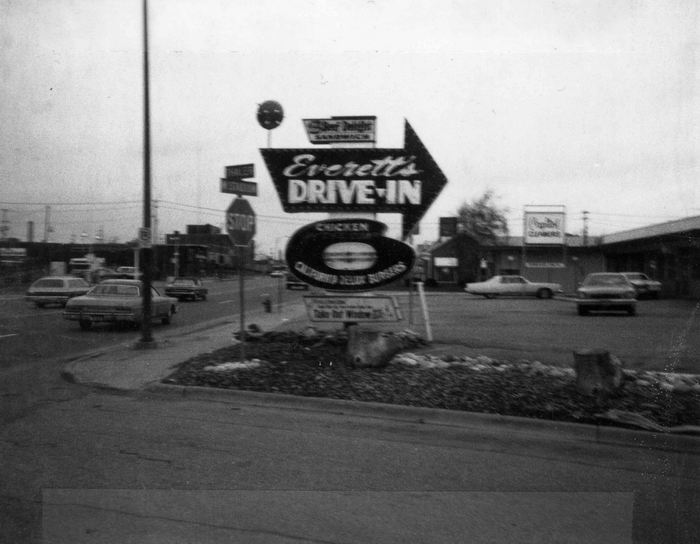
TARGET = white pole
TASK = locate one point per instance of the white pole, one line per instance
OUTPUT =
(426, 317)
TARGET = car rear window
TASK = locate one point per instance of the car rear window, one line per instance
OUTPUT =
(77, 283)
(605, 279)
(183, 282)
(116, 290)
(49, 283)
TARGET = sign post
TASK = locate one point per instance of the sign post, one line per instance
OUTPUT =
(240, 226)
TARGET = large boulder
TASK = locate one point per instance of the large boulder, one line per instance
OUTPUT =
(598, 373)
(371, 349)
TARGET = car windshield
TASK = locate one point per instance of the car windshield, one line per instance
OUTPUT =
(605, 280)
(107, 290)
(183, 282)
(636, 276)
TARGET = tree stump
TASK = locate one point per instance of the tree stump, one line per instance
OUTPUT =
(597, 372)
(371, 349)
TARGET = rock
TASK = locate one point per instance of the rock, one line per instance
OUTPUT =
(371, 349)
(597, 372)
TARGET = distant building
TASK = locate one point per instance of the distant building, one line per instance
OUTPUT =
(668, 252)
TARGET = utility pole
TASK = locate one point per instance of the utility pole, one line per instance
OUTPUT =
(47, 223)
(154, 238)
(146, 334)
(585, 228)
(4, 225)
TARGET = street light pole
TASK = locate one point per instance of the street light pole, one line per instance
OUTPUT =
(146, 335)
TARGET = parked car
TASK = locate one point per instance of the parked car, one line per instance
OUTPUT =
(186, 288)
(513, 286)
(643, 284)
(118, 301)
(292, 282)
(606, 291)
(128, 272)
(56, 290)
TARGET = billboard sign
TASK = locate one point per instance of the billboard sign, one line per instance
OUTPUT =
(377, 180)
(347, 255)
(448, 227)
(341, 130)
(544, 228)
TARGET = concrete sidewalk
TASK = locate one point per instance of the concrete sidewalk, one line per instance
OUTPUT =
(129, 367)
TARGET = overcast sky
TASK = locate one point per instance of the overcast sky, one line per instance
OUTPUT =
(592, 105)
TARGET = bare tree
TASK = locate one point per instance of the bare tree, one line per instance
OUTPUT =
(483, 219)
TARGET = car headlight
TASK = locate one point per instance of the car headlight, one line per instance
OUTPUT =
(581, 294)
(629, 294)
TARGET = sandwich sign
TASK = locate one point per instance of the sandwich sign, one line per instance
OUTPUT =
(378, 180)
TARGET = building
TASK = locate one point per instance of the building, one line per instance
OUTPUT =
(668, 252)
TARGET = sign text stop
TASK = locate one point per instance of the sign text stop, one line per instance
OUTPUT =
(240, 222)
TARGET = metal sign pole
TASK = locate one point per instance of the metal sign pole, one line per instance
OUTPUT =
(241, 256)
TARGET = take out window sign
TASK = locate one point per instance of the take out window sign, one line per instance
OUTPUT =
(360, 309)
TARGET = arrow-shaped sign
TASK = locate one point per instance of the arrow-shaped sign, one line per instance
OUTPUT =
(384, 180)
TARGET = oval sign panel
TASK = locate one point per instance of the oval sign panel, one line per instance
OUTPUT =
(347, 255)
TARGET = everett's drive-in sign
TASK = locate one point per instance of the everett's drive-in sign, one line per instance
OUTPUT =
(347, 255)
(379, 180)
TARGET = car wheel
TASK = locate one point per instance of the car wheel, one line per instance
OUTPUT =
(204, 297)
(632, 311)
(168, 319)
(39, 304)
(544, 293)
(85, 324)
(490, 295)
(582, 311)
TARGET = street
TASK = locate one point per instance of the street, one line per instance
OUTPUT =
(28, 333)
(664, 336)
(88, 465)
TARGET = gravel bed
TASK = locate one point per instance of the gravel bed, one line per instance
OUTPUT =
(313, 365)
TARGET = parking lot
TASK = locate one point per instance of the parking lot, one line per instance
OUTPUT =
(664, 336)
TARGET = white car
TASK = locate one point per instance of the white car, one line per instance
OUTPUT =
(56, 290)
(513, 286)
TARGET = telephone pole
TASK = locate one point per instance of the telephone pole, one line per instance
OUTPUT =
(147, 253)
(4, 225)
(585, 228)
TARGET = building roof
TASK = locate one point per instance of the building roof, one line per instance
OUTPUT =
(661, 229)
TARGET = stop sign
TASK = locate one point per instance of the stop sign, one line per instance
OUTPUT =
(240, 222)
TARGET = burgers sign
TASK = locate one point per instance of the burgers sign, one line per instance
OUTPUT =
(347, 255)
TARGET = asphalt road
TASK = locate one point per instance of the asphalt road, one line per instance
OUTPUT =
(30, 334)
(664, 336)
(84, 465)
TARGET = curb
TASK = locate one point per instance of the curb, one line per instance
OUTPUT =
(485, 423)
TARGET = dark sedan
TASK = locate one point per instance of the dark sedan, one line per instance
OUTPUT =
(186, 288)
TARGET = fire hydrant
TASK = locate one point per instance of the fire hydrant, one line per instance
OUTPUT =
(267, 303)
